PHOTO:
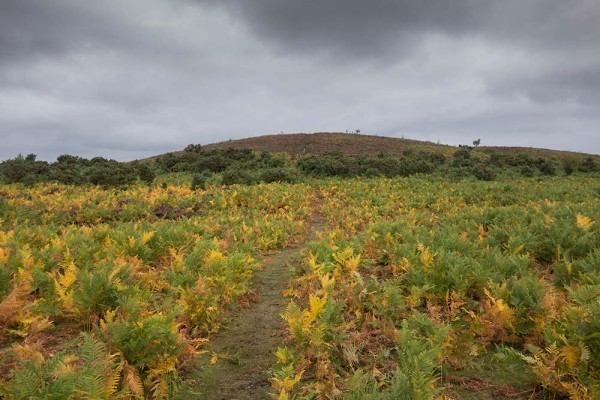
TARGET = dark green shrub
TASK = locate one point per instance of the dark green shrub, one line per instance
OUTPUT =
(462, 158)
(68, 169)
(588, 165)
(278, 175)
(199, 180)
(527, 171)
(484, 174)
(211, 163)
(330, 164)
(462, 153)
(383, 164)
(24, 170)
(498, 160)
(144, 171)
(109, 173)
(147, 174)
(269, 160)
(168, 162)
(546, 167)
(233, 176)
(372, 172)
(569, 165)
(436, 158)
(409, 166)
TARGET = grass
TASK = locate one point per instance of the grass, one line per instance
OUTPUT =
(489, 377)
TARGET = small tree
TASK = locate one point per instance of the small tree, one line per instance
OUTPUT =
(477, 142)
(357, 131)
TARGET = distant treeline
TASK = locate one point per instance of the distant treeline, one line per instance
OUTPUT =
(244, 166)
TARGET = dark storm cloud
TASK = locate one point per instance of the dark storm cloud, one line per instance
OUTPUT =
(357, 28)
(351, 29)
(385, 30)
(129, 79)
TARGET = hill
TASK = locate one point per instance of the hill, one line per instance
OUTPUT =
(323, 142)
(297, 144)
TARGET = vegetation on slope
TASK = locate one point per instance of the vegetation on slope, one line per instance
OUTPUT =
(343, 155)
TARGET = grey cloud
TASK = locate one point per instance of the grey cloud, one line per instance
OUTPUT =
(351, 29)
(558, 83)
(357, 28)
(31, 29)
(136, 78)
(389, 31)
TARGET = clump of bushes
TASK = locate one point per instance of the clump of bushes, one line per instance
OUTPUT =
(278, 174)
(237, 175)
(75, 170)
(199, 181)
(244, 166)
(588, 165)
(329, 164)
(484, 174)
(546, 167)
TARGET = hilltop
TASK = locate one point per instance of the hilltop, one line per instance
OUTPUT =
(351, 144)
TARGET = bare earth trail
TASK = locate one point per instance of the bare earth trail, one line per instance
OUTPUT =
(245, 346)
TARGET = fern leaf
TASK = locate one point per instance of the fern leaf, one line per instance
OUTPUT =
(584, 222)
(132, 380)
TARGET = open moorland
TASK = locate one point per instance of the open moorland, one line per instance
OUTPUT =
(220, 274)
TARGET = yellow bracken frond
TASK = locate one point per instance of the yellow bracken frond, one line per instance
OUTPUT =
(327, 282)
(283, 395)
(570, 355)
(147, 236)
(214, 256)
(583, 222)
(4, 253)
(283, 355)
(69, 277)
(28, 352)
(426, 256)
(288, 383)
(5, 236)
(132, 381)
(316, 306)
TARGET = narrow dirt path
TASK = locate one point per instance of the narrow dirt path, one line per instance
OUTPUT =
(245, 346)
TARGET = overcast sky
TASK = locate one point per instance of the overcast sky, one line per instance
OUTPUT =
(127, 79)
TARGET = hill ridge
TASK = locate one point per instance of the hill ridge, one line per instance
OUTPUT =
(360, 144)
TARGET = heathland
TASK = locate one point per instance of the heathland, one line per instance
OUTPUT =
(219, 272)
